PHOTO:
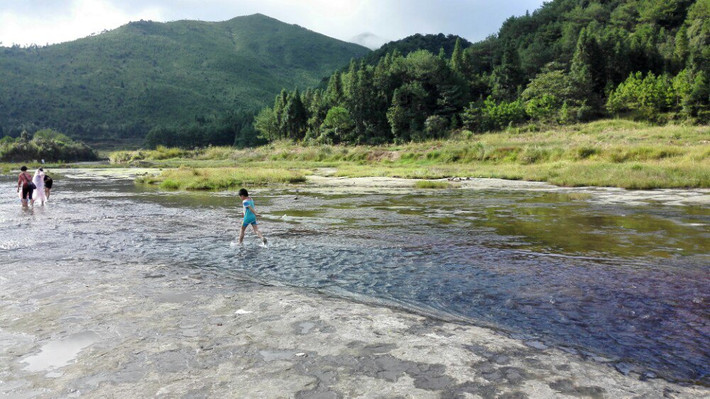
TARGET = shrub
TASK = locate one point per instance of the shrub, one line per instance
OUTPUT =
(493, 116)
(533, 155)
(586, 152)
(431, 184)
(169, 184)
(50, 146)
(648, 95)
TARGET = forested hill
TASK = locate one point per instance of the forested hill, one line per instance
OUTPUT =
(617, 37)
(126, 81)
(568, 61)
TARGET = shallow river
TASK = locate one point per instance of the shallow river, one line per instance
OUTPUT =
(620, 281)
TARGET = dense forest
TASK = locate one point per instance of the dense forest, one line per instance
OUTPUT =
(569, 61)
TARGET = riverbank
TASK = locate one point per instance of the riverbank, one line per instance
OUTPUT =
(74, 330)
(612, 153)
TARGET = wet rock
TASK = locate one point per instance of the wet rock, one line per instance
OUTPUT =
(433, 382)
(563, 367)
(309, 327)
(424, 328)
(624, 368)
(501, 359)
(568, 387)
(514, 375)
(344, 361)
(536, 344)
(201, 393)
(273, 355)
(318, 395)
(513, 395)
(479, 350)
(173, 361)
(469, 389)
(377, 349)
(647, 375)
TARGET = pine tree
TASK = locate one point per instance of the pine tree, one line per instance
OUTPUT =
(588, 70)
(279, 114)
(334, 91)
(457, 58)
(681, 47)
(295, 118)
(508, 75)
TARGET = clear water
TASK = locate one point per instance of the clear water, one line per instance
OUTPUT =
(624, 283)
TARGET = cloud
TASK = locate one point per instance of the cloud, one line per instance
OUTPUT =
(56, 22)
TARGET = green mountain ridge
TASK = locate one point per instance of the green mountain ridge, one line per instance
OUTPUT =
(123, 82)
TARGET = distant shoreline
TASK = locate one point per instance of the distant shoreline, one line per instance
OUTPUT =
(612, 153)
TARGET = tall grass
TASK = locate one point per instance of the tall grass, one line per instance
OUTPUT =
(604, 153)
(187, 178)
(432, 184)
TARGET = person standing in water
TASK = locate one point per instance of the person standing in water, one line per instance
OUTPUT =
(47, 185)
(38, 180)
(249, 216)
(24, 182)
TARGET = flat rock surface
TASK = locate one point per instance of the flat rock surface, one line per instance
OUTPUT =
(668, 196)
(158, 331)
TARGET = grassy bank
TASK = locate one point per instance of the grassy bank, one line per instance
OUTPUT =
(187, 178)
(605, 153)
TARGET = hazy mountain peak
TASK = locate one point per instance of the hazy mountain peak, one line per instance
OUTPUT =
(369, 40)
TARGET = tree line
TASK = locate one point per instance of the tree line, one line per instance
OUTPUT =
(232, 129)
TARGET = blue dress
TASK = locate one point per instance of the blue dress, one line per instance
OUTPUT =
(249, 217)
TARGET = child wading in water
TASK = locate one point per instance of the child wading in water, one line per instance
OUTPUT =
(249, 216)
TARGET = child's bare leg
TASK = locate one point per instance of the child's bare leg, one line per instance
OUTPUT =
(241, 234)
(256, 230)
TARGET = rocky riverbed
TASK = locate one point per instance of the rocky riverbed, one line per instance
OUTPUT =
(78, 330)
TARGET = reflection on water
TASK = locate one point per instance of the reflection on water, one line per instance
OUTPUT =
(627, 283)
(59, 353)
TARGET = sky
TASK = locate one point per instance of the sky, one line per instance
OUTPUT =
(41, 22)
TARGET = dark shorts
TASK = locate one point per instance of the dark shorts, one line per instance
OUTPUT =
(27, 190)
(48, 183)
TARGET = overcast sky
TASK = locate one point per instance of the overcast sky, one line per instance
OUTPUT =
(42, 22)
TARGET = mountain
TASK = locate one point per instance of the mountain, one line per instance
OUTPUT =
(123, 82)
